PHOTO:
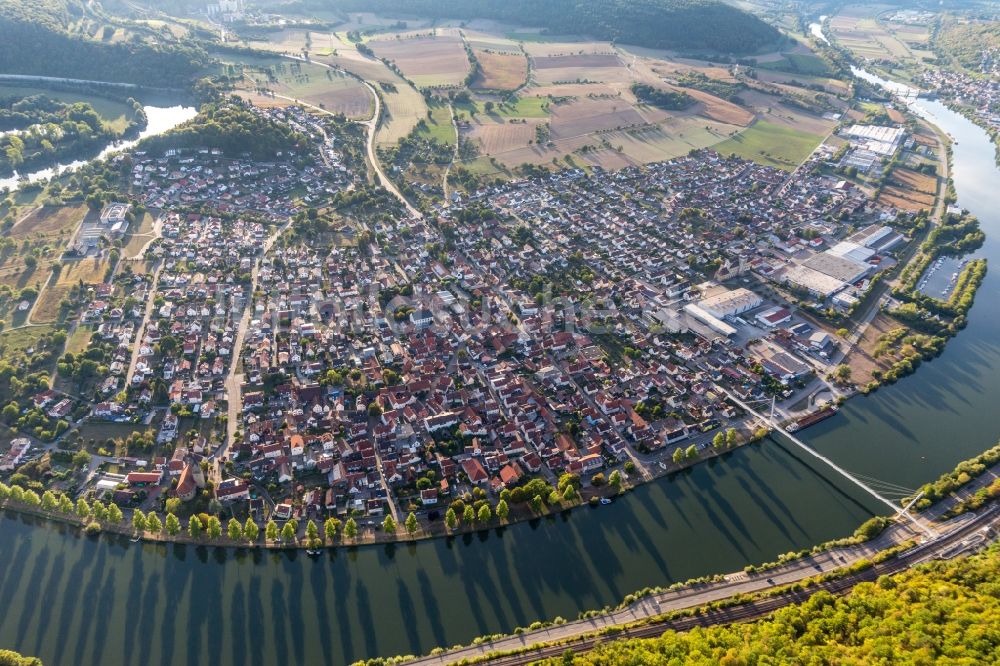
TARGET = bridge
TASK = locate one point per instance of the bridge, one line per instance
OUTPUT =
(872, 486)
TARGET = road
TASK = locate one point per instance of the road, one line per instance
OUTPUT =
(234, 381)
(372, 125)
(141, 332)
(574, 634)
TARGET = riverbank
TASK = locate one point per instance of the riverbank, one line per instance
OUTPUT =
(591, 497)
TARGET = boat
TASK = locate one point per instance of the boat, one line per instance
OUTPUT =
(137, 539)
(812, 419)
(314, 552)
(605, 500)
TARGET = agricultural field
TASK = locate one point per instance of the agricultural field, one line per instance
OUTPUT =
(771, 144)
(583, 116)
(500, 71)
(578, 68)
(283, 81)
(427, 61)
(859, 29)
(909, 190)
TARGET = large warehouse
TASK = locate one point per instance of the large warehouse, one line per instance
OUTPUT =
(730, 303)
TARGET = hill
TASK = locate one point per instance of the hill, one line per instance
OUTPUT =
(942, 612)
(676, 24)
(233, 129)
(65, 38)
(967, 43)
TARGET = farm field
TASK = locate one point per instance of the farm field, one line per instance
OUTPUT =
(403, 108)
(591, 115)
(909, 190)
(858, 29)
(320, 86)
(771, 144)
(500, 71)
(427, 61)
(598, 67)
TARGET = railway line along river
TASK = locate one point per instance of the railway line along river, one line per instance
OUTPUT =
(71, 599)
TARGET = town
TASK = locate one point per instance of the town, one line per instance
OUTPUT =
(523, 347)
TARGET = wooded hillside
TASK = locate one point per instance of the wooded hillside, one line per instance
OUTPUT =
(684, 24)
(942, 612)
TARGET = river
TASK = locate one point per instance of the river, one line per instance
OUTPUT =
(106, 601)
(159, 119)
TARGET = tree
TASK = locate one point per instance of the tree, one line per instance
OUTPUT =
(114, 513)
(485, 513)
(138, 521)
(234, 530)
(842, 373)
(153, 523)
(469, 515)
(502, 510)
(598, 480)
(677, 456)
(31, 498)
(312, 532)
(350, 529)
(536, 503)
(65, 505)
(4, 491)
(330, 528)
(49, 501)
(250, 530)
(569, 494)
(555, 499)
(173, 525)
(389, 525)
(194, 527)
(615, 480)
(214, 527)
(450, 519)
(719, 441)
(288, 532)
(691, 452)
(271, 531)
(82, 508)
(732, 438)
(411, 523)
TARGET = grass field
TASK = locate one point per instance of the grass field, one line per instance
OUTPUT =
(112, 112)
(523, 107)
(140, 237)
(88, 271)
(771, 144)
(79, 340)
(439, 125)
(799, 64)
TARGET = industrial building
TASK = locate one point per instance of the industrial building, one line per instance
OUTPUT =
(730, 303)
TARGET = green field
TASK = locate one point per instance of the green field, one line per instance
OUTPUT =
(799, 64)
(112, 112)
(439, 125)
(523, 107)
(771, 144)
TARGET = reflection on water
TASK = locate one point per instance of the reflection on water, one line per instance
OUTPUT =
(159, 120)
(86, 601)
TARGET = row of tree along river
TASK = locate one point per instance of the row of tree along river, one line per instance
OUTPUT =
(70, 599)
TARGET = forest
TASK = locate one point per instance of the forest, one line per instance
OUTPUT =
(664, 99)
(48, 130)
(967, 43)
(232, 128)
(689, 24)
(944, 612)
(38, 40)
